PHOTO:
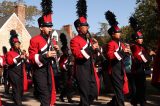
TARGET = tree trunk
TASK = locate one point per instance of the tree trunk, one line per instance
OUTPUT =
(158, 3)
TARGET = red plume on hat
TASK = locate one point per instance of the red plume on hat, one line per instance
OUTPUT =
(46, 18)
(81, 13)
(136, 28)
(111, 18)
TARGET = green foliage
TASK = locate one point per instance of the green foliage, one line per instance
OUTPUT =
(31, 11)
(158, 4)
(102, 36)
(102, 39)
(127, 31)
(8, 7)
(103, 29)
(147, 16)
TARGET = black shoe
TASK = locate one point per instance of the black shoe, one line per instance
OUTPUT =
(133, 103)
(70, 101)
(109, 104)
(142, 103)
(19, 104)
(61, 99)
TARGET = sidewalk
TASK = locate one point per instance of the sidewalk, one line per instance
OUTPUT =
(153, 98)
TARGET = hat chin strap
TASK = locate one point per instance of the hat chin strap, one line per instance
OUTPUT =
(15, 49)
(81, 33)
(115, 38)
(45, 35)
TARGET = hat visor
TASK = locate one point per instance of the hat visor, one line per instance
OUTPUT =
(17, 42)
(47, 25)
(140, 37)
(84, 24)
(118, 31)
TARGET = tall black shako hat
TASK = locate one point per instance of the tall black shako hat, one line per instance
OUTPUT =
(81, 13)
(63, 40)
(136, 28)
(46, 19)
(111, 18)
(13, 38)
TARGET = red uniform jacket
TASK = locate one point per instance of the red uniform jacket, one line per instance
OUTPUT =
(37, 52)
(112, 53)
(139, 53)
(17, 65)
(78, 47)
(139, 57)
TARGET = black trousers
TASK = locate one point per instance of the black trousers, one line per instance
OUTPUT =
(67, 89)
(87, 87)
(131, 83)
(6, 82)
(41, 85)
(16, 79)
(140, 88)
(117, 83)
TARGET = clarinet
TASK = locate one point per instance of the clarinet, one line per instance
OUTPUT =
(97, 49)
(51, 48)
(70, 60)
(21, 53)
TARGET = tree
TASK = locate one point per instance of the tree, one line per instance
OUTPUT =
(127, 31)
(158, 3)
(31, 11)
(147, 16)
(102, 36)
(101, 39)
(103, 29)
(8, 7)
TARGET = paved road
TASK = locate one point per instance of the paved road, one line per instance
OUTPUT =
(29, 100)
(153, 98)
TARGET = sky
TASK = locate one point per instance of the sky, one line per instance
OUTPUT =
(65, 11)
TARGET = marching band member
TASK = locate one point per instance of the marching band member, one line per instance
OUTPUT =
(81, 48)
(115, 54)
(66, 64)
(42, 52)
(139, 60)
(17, 72)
